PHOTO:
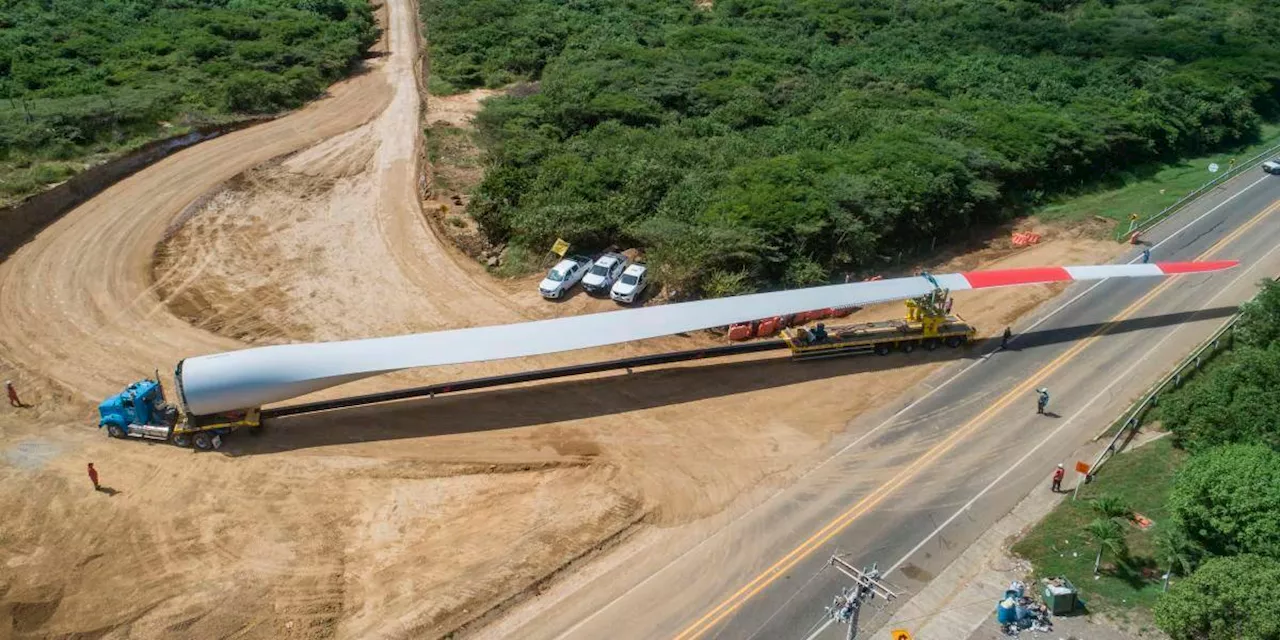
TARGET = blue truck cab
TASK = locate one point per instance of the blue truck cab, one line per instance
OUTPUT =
(141, 411)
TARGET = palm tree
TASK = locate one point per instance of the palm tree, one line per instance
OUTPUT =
(1107, 534)
(1109, 506)
(1175, 548)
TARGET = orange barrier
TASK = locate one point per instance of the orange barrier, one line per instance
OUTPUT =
(767, 327)
(1136, 238)
(1025, 238)
(739, 332)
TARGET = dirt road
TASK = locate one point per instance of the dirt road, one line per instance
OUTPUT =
(398, 521)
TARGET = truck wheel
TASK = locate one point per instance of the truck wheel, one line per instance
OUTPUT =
(115, 431)
(907, 346)
(202, 441)
(954, 341)
(931, 344)
(181, 440)
(883, 349)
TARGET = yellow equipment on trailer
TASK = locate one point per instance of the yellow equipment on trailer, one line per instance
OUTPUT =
(927, 324)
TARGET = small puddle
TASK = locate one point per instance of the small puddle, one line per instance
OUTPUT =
(915, 573)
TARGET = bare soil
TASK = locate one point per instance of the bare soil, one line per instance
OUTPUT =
(403, 520)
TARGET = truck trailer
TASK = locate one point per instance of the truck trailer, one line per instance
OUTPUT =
(927, 325)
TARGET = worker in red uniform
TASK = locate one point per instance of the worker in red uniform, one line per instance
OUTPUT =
(13, 395)
(1057, 478)
(93, 476)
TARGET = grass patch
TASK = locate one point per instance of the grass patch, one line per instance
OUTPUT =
(1058, 545)
(1150, 191)
(517, 261)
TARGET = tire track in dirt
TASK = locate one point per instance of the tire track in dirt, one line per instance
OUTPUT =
(77, 303)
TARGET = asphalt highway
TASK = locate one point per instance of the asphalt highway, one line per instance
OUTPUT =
(910, 486)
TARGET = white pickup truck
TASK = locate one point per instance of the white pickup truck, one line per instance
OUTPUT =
(561, 278)
(604, 273)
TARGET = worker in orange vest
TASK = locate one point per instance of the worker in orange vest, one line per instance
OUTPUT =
(1057, 478)
(93, 476)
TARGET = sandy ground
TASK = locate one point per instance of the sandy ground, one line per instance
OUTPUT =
(397, 521)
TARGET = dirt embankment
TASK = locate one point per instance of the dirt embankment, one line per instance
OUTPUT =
(403, 520)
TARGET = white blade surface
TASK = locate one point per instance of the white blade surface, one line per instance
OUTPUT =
(259, 376)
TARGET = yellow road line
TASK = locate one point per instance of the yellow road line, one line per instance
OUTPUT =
(841, 522)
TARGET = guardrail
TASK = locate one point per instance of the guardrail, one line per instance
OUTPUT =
(1223, 338)
(1150, 221)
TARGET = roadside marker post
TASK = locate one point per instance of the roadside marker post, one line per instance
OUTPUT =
(1082, 468)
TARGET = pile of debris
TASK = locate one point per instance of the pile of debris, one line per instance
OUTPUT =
(1018, 612)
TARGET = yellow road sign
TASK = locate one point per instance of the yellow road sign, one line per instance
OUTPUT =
(900, 634)
(560, 247)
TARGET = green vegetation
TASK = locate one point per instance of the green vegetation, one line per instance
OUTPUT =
(80, 78)
(1218, 495)
(1149, 189)
(1227, 500)
(1062, 545)
(1238, 399)
(1229, 598)
(759, 143)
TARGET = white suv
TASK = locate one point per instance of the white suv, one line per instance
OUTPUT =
(1272, 166)
(631, 285)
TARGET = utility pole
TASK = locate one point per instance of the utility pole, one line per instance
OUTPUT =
(848, 604)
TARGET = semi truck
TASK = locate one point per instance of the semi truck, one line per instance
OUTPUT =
(141, 410)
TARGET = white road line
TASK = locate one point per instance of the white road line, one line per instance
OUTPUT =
(888, 421)
(1106, 390)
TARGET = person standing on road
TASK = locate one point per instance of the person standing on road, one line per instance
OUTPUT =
(1042, 402)
(93, 477)
(1004, 340)
(1146, 255)
(13, 395)
(1057, 478)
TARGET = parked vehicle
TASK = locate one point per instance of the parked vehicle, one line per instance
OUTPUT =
(1272, 166)
(561, 278)
(631, 285)
(604, 273)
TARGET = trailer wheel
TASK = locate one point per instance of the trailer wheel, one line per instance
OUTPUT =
(883, 349)
(202, 441)
(954, 341)
(931, 344)
(115, 431)
(181, 440)
(907, 346)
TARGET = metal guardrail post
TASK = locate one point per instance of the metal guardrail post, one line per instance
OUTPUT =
(1224, 335)
(1146, 223)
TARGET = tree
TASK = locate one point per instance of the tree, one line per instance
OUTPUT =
(1229, 598)
(1227, 500)
(1176, 551)
(841, 135)
(1236, 401)
(1109, 536)
(1259, 323)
